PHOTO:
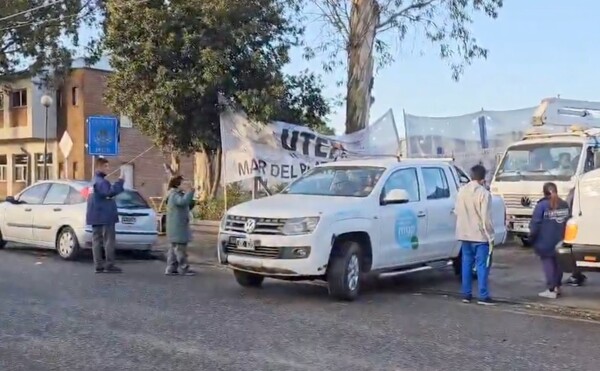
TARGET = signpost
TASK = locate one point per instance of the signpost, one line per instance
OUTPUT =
(103, 137)
(66, 145)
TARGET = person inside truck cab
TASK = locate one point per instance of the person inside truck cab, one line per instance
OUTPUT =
(589, 164)
(564, 165)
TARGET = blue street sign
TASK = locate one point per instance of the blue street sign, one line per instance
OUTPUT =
(103, 136)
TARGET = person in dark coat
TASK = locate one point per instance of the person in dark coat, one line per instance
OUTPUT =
(577, 278)
(180, 201)
(547, 229)
(102, 215)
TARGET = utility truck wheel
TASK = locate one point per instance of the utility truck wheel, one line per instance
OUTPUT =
(525, 242)
(246, 279)
(344, 271)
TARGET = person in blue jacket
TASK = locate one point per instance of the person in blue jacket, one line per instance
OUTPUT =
(102, 215)
(547, 229)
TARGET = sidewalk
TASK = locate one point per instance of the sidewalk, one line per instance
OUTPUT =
(516, 278)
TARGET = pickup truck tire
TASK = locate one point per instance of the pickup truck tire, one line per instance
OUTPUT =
(2, 242)
(344, 272)
(247, 279)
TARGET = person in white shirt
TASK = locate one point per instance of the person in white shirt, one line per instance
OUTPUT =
(475, 231)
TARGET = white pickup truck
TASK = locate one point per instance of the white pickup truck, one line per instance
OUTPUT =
(343, 219)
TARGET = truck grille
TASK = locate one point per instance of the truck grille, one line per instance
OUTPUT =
(515, 201)
(272, 226)
(258, 252)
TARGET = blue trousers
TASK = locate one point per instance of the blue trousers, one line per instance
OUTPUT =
(478, 252)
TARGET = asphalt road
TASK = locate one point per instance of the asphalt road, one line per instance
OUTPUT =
(57, 315)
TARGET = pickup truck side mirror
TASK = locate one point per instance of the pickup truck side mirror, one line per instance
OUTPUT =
(396, 196)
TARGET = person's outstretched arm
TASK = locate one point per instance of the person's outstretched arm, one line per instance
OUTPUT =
(105, 189)
(184, 200)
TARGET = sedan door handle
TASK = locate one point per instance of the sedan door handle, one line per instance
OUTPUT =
(27, 210)
(57, 209)
(421, 214)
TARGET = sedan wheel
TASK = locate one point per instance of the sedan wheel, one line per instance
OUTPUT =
(67, 244)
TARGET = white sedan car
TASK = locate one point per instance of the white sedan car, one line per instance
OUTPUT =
(51, 214)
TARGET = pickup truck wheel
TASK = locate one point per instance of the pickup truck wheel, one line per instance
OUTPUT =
(2, 242)
(525, 242)
(344, 273)
(246, 279)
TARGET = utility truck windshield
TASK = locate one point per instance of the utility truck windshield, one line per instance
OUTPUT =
(540, 162)
(344, 181)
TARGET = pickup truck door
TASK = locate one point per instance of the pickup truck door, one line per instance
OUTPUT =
(403, 227)
(440, 193)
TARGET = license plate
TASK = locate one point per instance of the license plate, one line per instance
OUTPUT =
(128, 219)
(521, 226)
(244, 244)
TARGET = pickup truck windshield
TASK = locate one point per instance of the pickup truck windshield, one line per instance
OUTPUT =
(344, 181)
(540, 162)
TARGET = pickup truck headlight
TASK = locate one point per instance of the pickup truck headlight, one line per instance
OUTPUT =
(297, 226)
(223, 222)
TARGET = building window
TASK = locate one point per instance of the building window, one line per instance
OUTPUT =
(74, 95)
(39, 166)
(19, 98)
(20, 168)
(125, 122)
(59, 98)
(3, 167)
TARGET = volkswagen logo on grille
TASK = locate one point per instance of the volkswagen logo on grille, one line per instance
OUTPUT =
(525, 201)
(250, 225)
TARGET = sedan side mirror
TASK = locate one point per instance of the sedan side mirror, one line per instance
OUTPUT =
(11, 199)
(396, 196)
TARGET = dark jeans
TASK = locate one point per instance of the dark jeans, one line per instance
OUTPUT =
(103, 237)
(552, 272)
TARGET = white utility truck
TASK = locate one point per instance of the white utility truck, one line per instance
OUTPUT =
(567, 147)
(580, 250)
(343, 219)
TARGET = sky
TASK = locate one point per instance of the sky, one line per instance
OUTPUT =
(537, 49)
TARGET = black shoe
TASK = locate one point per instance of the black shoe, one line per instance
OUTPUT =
(467, 299)
(486, 302)
(168, 273)
(188, 272)
(99, 270)
(113, 269)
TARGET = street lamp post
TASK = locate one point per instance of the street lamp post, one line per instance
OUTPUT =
(46, 102)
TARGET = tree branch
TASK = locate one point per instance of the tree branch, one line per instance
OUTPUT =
(394, 16)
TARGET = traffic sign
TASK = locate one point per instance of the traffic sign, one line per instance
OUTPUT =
(65, 144)
(103, 136)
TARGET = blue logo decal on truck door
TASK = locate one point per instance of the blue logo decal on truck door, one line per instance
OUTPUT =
(406, 229)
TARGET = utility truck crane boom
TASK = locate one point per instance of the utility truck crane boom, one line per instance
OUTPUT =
(566, 112)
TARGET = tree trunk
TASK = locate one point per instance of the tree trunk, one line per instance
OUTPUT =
(363, 22)
(207, 172)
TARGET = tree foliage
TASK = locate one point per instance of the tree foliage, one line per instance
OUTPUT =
(173, 59)
(42, 36)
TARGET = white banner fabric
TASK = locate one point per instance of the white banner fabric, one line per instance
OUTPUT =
(280, 152)
(479, 137)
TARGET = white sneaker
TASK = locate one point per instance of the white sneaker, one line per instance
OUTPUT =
(548, 294)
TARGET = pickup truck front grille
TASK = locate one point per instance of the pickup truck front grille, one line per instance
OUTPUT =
(271, 226)
(268, 252)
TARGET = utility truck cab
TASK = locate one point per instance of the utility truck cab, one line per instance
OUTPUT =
(343, 219)
(558, 153)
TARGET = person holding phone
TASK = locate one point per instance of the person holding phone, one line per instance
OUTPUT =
(180, 200)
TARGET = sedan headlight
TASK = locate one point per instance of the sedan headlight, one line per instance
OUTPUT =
(297, 226)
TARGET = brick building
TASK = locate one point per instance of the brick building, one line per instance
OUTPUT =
(22, 131)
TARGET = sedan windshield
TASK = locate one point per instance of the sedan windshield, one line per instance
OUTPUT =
(348, 181)
(540, 161)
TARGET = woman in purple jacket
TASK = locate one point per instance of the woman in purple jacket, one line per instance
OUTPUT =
(547, 229)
